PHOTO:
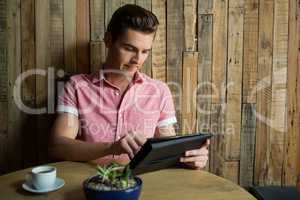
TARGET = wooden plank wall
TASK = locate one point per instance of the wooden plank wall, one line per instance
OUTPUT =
(231, 65)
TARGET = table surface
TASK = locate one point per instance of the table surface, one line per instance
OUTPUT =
(169, 184)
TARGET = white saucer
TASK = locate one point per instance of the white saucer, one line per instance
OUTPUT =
(58, 184)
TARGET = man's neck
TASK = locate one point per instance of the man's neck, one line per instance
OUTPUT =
(121, 80)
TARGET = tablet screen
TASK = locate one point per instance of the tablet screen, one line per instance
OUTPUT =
(161, 153)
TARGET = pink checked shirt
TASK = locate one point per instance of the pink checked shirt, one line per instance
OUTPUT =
(106, 116)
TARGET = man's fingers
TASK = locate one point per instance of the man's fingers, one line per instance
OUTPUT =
(196, 165)
(207, 143)
(140, 140)
(194, 159)
(127, 148)
(197, 152)
(133, 145)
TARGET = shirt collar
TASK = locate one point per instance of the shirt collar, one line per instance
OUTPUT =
(99, 76)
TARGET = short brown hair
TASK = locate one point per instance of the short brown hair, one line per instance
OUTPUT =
(134, 17)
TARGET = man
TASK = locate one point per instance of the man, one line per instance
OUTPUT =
(108, 116)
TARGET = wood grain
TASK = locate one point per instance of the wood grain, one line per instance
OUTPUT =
(264, 91)
(97, 19)
(219, 59)
(216, 148)
(174, 52)
(160, 44)
(56, 13)
(190, 19)
(234, 80)
(82, 36)
(206, 7)
(147, 67)
(28, 50)
(230, 171)
(124, 2)
(97, 55)
(250, 51)
(13, 143)
(279, 83)
(204, 87)
(189, 85)
(293, 121)
(247, 145)
(70, 36)
(3, 87)
(110, 7)
(3, 51)
(43, 63)
(29, 84)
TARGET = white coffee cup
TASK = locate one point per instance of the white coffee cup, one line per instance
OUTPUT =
(42, 177)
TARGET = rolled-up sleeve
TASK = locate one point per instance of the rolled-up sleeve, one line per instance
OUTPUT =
(67, 101)
(167, 113)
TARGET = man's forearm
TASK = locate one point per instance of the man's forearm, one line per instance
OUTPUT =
(75, 150)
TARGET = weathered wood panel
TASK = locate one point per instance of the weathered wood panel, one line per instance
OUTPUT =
(159, 46)
(250, 51)
(219, 59)
(217, 146)
(29, 84)
(97, 17)
(189, 88)
(28, 50)
(234, 79)
(293, 86)
(3, 87)
(43, 63)
(229, 171)
(70, 35)
(247, 145)
(97, 55)
(147, 67)
(279, 91)
(42, 46)
(190, 19)
(264, 91)
(123, 2)
(205, 44)
(82, 36)
(110, 8)
(97, 46)
(174, 52)
(13, 143)
(57, 34)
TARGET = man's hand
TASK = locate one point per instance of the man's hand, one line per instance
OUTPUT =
(197, 158)
(130, 144)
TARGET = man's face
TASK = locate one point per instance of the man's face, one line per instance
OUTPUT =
(129, 52)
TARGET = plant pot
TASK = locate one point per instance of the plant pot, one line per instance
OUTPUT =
(131, 193)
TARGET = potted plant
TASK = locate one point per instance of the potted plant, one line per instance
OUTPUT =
(112, 182)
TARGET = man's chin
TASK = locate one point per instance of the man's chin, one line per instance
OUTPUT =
(128, 69)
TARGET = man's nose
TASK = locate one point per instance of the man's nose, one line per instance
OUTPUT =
(137, 58)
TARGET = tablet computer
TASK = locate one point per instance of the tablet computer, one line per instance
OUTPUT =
(164, 152)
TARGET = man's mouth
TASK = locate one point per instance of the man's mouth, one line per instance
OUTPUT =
(130, 66)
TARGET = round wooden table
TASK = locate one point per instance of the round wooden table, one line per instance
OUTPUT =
(169, 184)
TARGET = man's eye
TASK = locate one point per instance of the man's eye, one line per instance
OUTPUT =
(129, 49)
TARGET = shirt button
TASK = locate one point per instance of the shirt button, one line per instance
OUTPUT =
(117, 93)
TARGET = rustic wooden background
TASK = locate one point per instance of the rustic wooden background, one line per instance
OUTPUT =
(236, 61)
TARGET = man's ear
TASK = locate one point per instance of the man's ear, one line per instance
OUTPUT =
(107, 39)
